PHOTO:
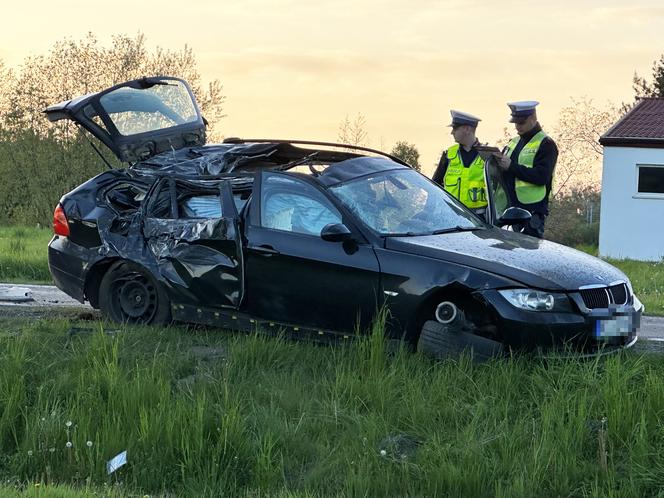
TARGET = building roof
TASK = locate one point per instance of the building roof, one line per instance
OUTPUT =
(642, 126)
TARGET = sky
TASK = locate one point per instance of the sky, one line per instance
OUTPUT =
(296, 68)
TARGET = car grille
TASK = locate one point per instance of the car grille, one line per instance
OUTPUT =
(602, 297)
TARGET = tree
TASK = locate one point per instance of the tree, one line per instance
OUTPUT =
(579, 153)
(5, 78)
(655, 88)
(353, 132)
(77, 67)
(39, 161)
(407, 152)
(643, 88)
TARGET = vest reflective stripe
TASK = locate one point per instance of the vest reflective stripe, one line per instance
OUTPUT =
(466, 184)
(528, 193)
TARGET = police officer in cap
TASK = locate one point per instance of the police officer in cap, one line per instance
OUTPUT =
(461, 169)
(528, 162)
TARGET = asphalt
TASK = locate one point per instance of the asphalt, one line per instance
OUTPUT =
(14, 301)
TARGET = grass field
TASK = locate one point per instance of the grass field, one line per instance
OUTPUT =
(206, 413)
(23, 256)
(23, 259)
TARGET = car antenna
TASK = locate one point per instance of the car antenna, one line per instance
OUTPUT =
(97, 151)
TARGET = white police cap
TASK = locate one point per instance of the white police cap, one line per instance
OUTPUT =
(522, 109)
(463, 118)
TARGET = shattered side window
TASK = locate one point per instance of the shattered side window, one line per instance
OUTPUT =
(294, 206)
(125, 197)
(161, 106)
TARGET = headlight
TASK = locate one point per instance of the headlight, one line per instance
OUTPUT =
(534, 300)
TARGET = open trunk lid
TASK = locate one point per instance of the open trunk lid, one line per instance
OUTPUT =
(138, 119)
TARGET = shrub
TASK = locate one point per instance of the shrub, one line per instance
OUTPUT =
(574, 217)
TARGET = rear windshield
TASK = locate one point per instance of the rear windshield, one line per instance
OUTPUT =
(161, 106)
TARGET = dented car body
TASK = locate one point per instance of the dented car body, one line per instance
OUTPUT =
(311, 239)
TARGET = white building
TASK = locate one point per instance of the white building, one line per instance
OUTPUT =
(632, 213)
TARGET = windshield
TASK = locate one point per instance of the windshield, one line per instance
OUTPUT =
(404, 202)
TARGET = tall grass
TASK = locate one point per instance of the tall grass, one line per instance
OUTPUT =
(267, 417)
(648, 282)
(23, 254)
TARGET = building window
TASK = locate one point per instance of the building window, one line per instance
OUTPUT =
(650, 180)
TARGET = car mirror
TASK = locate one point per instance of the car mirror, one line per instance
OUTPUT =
(335, 232)
(513, 215)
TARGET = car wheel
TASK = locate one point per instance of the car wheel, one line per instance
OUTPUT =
(128, 293)
(442, 341)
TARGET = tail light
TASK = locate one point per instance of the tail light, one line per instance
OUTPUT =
(60, 223)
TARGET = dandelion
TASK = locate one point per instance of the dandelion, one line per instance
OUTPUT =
(89, 444)
(69, 445)
(383, 453)
(68, 423)
(29, 453)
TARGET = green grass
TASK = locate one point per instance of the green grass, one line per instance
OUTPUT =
(648, 283)
(207, 413)
(23, 256)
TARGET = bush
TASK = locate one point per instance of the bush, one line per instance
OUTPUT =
(36, 171)
(574, 217)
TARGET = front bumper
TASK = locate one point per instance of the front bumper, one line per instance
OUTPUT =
(584, 331)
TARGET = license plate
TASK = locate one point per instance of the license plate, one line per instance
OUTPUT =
(614, 326)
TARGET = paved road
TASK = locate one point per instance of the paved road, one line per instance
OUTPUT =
(49, 296)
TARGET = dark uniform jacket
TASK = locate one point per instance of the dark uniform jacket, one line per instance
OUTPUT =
(467, 157)
(541, 173)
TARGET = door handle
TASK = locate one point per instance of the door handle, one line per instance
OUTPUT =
(264, 250)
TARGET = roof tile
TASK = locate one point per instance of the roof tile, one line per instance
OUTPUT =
(644, 121)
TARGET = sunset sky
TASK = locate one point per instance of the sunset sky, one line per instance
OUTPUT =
(295, 69)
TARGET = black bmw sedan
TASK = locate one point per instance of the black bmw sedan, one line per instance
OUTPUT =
(312, 239)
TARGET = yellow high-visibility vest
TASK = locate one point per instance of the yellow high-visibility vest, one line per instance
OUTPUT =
(466, 184)
(528, 193)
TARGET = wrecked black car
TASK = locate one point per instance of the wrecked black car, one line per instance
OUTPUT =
(311, 239)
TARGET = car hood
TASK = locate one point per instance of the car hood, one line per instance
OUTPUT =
(535, 263)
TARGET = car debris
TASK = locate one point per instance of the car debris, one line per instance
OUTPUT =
(15, 294)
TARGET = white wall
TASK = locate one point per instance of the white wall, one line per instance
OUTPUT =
(631, 224)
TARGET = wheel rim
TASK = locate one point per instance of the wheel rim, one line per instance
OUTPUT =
(134, 298)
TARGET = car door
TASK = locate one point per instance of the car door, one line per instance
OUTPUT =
(292, 274)
(497, 200)
(191, 228)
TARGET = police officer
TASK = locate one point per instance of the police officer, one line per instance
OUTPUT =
(528, 162)
(461, 169)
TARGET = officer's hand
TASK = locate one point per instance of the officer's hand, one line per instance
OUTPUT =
(503, 161)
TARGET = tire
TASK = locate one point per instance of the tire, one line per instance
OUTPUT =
(443, 341)
(128, 293)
